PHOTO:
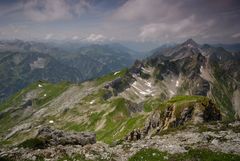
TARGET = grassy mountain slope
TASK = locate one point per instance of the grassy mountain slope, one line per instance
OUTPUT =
(185, 86)
(85, 107)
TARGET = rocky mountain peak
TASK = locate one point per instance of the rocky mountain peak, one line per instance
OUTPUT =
(190, 43)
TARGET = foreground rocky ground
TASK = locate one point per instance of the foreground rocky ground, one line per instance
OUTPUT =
(216, 137)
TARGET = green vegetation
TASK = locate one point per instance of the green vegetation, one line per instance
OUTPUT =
(73, 126)
(33, 143)
(5, 159)
(17, 98)
(183, 88)
(51, 91)
(90, 125)
(100, 96)
(114, 120)
(223, 100)
(180, 102)
(111, 76)
(119, 122)
(191, 155)
(179, 99)
(6, 122)
(151, 104)
(148, 155)
(46, 93)
(222, 91)
(111, 130)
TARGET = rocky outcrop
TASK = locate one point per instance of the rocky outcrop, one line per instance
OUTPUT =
(215, 137)
(134, 135)
(175, 115)
(137, 67)
(120, 84)
(56, 137)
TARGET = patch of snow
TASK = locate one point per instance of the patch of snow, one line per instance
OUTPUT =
(236, 101)
(40, 63)
(140, 92)
(116, 73)
(51, 122)
(149, 91)
(143, 93)
(92, 102)
(145, 70)
(100, 125)
(177, 83)
(40, 86)
(171, 92)
(206, 74)
(134, 83)
(138, 89)
(149, 84)
(201, 69)
(189, 45)
(215, 142)
(135, 76)
(136, 93)
(146, 92)
(165, 157)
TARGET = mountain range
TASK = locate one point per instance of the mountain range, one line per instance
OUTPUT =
(186, 92)
(23, 63)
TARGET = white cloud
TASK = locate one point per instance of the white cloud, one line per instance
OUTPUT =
(164, 30)
(75, 37)
(96, 38)
(236, 35)
(170, 20)
(48, 36)
(181, 29)
(51, 10)
(147, 10)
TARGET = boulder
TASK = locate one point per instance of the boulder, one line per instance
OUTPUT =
(54, 137)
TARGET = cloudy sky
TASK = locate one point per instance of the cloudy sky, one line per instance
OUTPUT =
(163, 21)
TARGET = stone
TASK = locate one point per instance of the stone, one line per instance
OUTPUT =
(34, 157)
(57, 137)
(215, 142)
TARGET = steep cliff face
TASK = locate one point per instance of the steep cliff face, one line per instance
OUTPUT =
(176, 112)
